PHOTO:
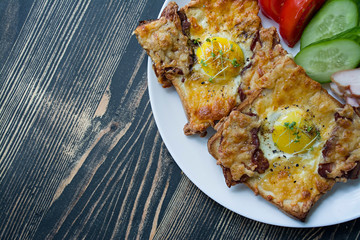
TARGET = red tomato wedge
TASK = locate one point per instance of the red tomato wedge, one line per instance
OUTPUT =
(271, 8)
(294, 16)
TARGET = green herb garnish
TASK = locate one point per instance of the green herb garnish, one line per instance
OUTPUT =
(196, 41)
(203, 63)
(290, 125)
(235, 63)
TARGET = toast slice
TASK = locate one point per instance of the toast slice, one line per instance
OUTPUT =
(323, 138)
(174, 40)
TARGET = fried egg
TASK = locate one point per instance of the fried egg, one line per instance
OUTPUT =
(202, 50)
(221, 59)
(222, 49)
(212, 87)
(290, 141)
(289, 131)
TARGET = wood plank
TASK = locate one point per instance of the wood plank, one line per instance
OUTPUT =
(80, 154)
(13, 14)
(192, 215)
(65, 57)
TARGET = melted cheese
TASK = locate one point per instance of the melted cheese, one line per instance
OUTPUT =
(211, 100)
(291, 179)
(222, 50)
(238, 16)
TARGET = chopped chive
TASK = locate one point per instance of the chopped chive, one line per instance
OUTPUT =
(196, 41)
(291, 125)
(203, 63)
(231, 47)
(235, 63)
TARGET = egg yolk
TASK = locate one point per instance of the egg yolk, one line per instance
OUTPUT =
(292, 133)
(220, 58)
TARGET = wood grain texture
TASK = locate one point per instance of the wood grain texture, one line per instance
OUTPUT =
(78, 141)
(192, 215)
(80, 154)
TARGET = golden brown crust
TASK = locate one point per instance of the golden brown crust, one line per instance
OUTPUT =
(168, 42)
(293, 184)
(167, 46)
(232, 132)
(238, 16)
(207, 103)
(213, 146)
(293, 198)
(342, 151)
(299, 211)
(237, 147)
(267, 52)
(298, 208)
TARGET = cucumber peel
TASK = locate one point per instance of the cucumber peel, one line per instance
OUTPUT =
(350, 34)
(334, 17)
(322, 59)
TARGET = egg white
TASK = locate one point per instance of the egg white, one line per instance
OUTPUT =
(310, 158)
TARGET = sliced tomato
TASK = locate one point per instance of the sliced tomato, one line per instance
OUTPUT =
(294, 16)
(271, 8)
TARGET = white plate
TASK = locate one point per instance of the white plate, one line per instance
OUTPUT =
(190, 153)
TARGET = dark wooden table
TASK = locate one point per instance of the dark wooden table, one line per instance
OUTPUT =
(80, 153)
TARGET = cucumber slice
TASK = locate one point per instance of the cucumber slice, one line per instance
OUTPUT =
(323, 59)
(334, 17)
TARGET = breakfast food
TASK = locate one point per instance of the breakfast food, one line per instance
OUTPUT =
(289, 141)
(278, 131)
(202, 50)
